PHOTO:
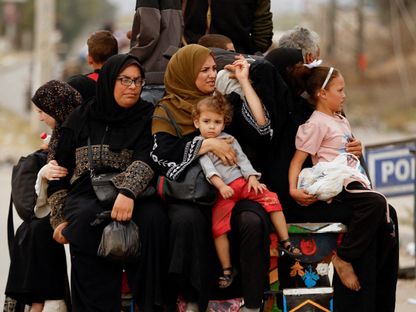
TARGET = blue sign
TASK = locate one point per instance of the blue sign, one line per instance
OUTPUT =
(392, 167)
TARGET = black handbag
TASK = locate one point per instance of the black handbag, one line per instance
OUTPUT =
(103, 186)
(192, 186)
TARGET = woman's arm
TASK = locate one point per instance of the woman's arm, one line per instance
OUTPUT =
(355, 147)
(58, 189)
(172, 154)
(135, 179)
(300, 196)
(221, 147)
(240, 69)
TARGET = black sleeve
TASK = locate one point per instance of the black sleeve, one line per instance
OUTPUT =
(139, 174)
(65, 157)
(172, 154)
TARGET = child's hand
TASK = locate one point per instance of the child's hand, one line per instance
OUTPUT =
(255, 185)
(302, 197)
(226, 191)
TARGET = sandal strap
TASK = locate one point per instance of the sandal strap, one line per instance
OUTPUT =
(284, 241)
(229, 269)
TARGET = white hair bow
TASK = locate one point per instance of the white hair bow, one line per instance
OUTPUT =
(315, 63)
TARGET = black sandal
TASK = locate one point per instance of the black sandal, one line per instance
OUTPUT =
(286, 247)
(227, 277)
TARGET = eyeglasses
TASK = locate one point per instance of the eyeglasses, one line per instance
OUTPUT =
(127, 82)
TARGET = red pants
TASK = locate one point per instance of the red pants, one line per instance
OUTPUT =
(221, 212)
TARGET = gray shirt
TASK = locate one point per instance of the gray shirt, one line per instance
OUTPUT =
(212, 165)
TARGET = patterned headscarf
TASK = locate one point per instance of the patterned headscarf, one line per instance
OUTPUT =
(57, 99)
(181, 91)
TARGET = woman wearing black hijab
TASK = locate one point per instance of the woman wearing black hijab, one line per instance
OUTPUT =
(118, 124)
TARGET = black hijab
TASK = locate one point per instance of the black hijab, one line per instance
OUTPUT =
(125, 125)
(57, 99)
(105, 108)
(283, 59)
(84, 85)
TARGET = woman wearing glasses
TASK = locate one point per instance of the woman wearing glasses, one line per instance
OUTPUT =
(117, 122)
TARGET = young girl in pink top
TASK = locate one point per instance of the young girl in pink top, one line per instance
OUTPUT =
(324, 137)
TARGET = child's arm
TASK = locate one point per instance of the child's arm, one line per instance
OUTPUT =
(300, 196)
(214, 177)
(225, 191)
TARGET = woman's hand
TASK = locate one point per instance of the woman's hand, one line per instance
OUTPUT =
(57, 233)
(255, 185)
(239, 69)
(123, 208)
(354, 147)
(222, 148)
(53, 171)
(302, 197)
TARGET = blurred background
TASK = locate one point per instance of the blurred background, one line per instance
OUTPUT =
(372, 42)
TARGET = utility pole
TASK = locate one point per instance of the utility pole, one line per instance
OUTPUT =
(44, 48)
(360, 56)
(331, 26)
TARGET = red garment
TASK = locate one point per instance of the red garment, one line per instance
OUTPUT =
(93, 76)
(221, 212)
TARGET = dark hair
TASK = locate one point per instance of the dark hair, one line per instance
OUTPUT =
(214, 41)
(310, 80)
(101, 45)
(216, 103)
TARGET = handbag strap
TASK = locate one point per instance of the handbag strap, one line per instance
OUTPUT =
(101, 150)
(10, 227)
(90, 157)
(170, 119)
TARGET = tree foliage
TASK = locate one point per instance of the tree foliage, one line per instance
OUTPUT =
(71, 16)
(384, 7)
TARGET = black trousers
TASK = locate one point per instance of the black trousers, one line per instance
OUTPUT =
(376, 267)
(194, 268)
(368, 215)
(250, 243)
(96, 282)
(377, 270)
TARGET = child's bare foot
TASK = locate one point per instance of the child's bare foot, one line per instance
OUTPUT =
(346, 273)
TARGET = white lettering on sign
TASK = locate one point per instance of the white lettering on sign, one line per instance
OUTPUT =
(403, 171)
(392, 168)
(387, 169)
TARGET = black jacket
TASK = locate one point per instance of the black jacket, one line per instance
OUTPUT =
(247, 23)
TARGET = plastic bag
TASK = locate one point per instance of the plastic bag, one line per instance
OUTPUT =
(325, 180)
(120, 241)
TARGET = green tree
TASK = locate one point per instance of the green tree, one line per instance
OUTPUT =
(384, 7)
(71, 16)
